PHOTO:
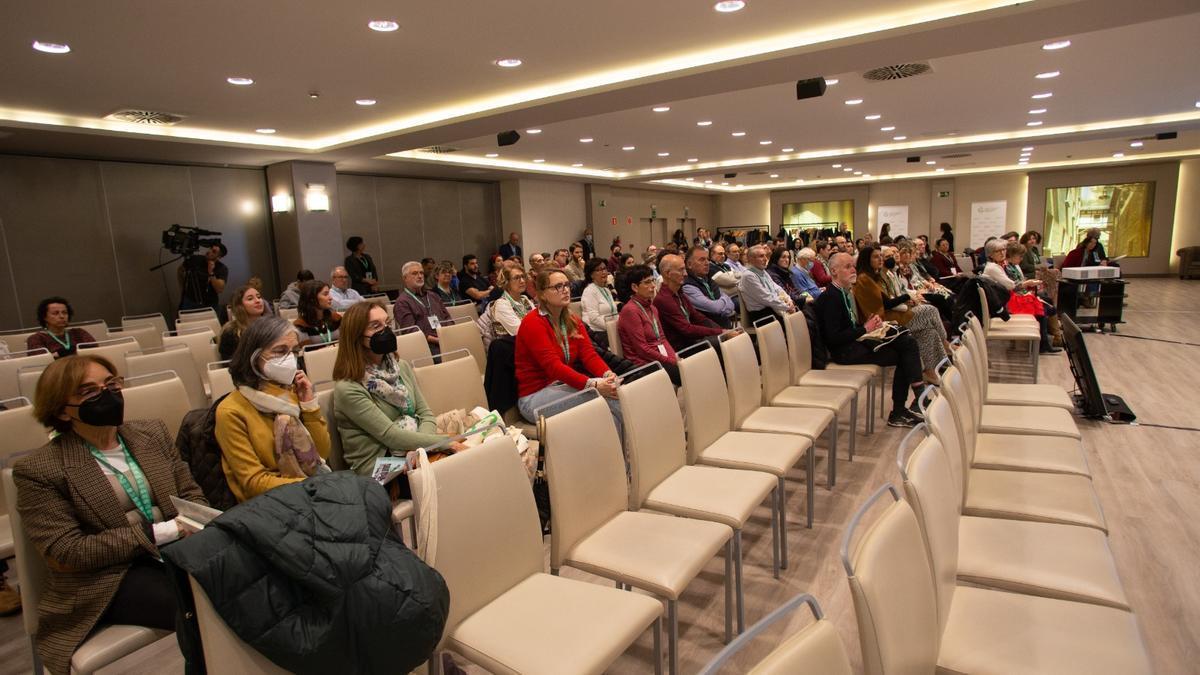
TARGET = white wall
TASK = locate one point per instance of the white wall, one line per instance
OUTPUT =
(743, 209)
(626, 203)
(553, 214)
(1187, 210)
(1010, 187)
(911, 193)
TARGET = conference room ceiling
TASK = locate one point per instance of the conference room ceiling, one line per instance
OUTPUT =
(596, 70)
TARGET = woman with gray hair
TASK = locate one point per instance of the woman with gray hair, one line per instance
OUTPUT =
(270, 429)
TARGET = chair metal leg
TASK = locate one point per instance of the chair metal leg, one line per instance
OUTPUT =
(435, 663)
(737, 563)
(882, 398)
(869, 420)
(412, 531)
(672, 637)
(38, 669)
(810, 482)
(658, 646)
(729, 609)
(831, 471)
(774, 534)
(783, 534)
(853, 424)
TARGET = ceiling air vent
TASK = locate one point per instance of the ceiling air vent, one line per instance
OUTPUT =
(151, 117)
(896, 72)
(440, 149)
(959, 155)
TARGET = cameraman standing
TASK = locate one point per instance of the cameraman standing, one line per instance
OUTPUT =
(202, 279)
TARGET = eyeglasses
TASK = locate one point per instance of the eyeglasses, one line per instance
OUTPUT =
(517, 277)
(90, 390)
(280, 351)
(559, 287)
(341, 276)
(374, 327)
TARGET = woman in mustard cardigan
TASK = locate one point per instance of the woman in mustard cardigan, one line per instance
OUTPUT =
(875, 293)
(271, 429)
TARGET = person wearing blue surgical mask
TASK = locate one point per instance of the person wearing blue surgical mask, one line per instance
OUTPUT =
(802, 273)
(271, 429)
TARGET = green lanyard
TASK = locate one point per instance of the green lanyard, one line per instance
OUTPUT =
(653, 323)
(708, 289)
(425, 303)
(849, 307)
(67, 334)
(563, 342)
(518, 307)
(327, 333)
(141, 496)
(608, 297)
(686, 314)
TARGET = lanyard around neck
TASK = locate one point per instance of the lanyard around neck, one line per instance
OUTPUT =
(518, 307)
(608, 298)
(653, 323)
(140, 496)
(424, 303)
(561, 333)
(67, 334)
(849, 306)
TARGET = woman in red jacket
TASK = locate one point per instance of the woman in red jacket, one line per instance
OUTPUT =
(641, 329)
(554, 356)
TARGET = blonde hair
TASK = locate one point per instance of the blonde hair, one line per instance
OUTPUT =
(238, 318)
(507, 269)
(541, 283)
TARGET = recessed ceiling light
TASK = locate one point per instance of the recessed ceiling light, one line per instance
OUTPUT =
(723, 183)
(1118, 155)
(508, 63)
(664, 154)
(727, 6)
(940, 169)
(365, 101)
(533, 131)
(1042, 95)
(707, 182)
(1035, 123)
(661, 108)
(899, 138)
(492, 154)
(1047, 75)
(1061, 44)
(1198, 104)
(774, 175)
(383, 25)
(1037, 111)
(837, 166)
(538, 161)
(765, 142)
(51, 47)
(888, 128)
(1136, 144)
(857, 173)
(264, 130)
(629, 147)
(689, 179)
(787, 149)
(239, 81)
(586, 140)
(738, 134)
(848, 169)
(1022, 161)
(1026, 154)
(1028, 148)
(931, 162)
(693, 159)
(704, 123)
(831, 81)
(577, 164)
(873, 117)
(854, 101)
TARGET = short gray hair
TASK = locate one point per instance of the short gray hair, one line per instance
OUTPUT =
(996, 245)
(260, 334)
(410, 266)
(805, 253)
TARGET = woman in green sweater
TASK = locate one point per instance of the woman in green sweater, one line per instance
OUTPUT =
(377, 406)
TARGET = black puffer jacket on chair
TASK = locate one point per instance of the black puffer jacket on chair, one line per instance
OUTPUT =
(313, 576)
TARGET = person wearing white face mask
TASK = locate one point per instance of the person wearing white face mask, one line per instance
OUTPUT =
(270, 429)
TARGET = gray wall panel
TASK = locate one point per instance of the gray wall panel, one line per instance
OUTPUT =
(234, 202)
(441, 220)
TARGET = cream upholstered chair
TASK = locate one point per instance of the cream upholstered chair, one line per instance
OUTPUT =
(614, 338)
(177, 358)
(661, 480)
(27, 380)
(17, 339)
(210, 322)
(778, 388)
(106, 644)
(10, 385)
(221, 645)
(289, 313)
(197, 314)
(594, 531)
(113, 350)
(463, 334)
(97, 328)
(576, 307)
(148, 336)
(21, 433)
(155, 319)
(1006, 393)
(914, 618)
(1056, 561)
(411, 344)
(799, 348)
(201, 340)
(1014, 419)
(1046, 497)
(1015, 330)
(712, 441)
(319, 360)
(160, 396)
(220, 381)
(510, 616)
(817, 648)
(449, 382)
(462, 310)
(747, 413)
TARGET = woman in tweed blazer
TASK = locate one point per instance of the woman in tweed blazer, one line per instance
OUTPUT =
(102, 558)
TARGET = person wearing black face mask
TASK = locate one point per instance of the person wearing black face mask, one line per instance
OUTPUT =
(378, 407)
(95, 501)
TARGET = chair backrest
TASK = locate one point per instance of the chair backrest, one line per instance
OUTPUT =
(984, 311)
(177, 358)
(452, 384)
(221, 645)
(27, 379)
(654, 435)
(149, 337)
(20, 431)
(209, 320)
(576, 308)
(965, 416)
(585, 469)
(319, 360)
(614, 337)
(975, 342)
(156, 319)
(337, 459)
(97, 328)
(159, 396)
(31, 567)
(776, 367)
(411, 344)
(744, 319)
(199, 339)
(113, 350)
(196, 314)
(704, 398)
(484, 513)
(933, 495)
(220, 381)
(942, 422)
(18, 339)
(462, 310)
(816, 648)
(9, 384)
(799, 343)
(892, 587)
(463, 335)
(743, 378)
(289, 313)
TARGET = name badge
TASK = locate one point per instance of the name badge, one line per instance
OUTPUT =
(662, 349)
(370, 275)
(434, 323)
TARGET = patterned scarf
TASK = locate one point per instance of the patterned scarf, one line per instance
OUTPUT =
(384, 383)
(296, 454)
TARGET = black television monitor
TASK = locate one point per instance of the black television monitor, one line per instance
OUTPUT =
(1090, 400)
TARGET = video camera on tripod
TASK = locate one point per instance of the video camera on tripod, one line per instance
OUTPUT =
(184, 240)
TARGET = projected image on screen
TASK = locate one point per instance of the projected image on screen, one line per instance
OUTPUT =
(834, 215)
(1122, 212)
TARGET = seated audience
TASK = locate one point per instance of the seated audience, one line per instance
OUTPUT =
(444, 285)
(552, 347)
(820, 268)
(257, 284)
(247, 306)
(683, 324)
(759, 293)
(733, 254)
(842, 324)
(340, 293)
(1087, 254)
(471, 282)
(377, 405)
(943, 259)
(96, 503)
(598, 301)
(428, 265)
(574, 266)
(780, 269)
(802, 276)
(1004, 268)
(291, 295)
(625, 262)
(364, 277)
(877, 292)
(703, 292)
(914, 280)
(53, 315)
(419, 307)
(922, 260)
(641, 329)
(510, 309)
(316, 320)
(614, 261)
(1032, 260)
(270, 428)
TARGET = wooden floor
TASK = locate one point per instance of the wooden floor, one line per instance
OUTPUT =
(1148, 480)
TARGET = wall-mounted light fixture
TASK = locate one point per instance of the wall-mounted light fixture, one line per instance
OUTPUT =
(316, 199)
(281, 203)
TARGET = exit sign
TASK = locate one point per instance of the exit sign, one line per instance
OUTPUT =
(944, 193)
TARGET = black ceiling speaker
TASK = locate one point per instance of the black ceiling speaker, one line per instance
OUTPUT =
(1166, 136)
(811, 88)
(731, 175)
(913, 160)
(507, 138)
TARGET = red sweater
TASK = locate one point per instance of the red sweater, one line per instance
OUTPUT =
(539, 357)
(638, 339)
(682, 324)
(820, 275)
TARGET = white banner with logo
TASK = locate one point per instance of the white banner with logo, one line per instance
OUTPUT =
(896, 217)
(987, 220)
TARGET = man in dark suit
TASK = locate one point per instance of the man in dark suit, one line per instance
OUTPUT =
(512, 248)
(841, 325)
